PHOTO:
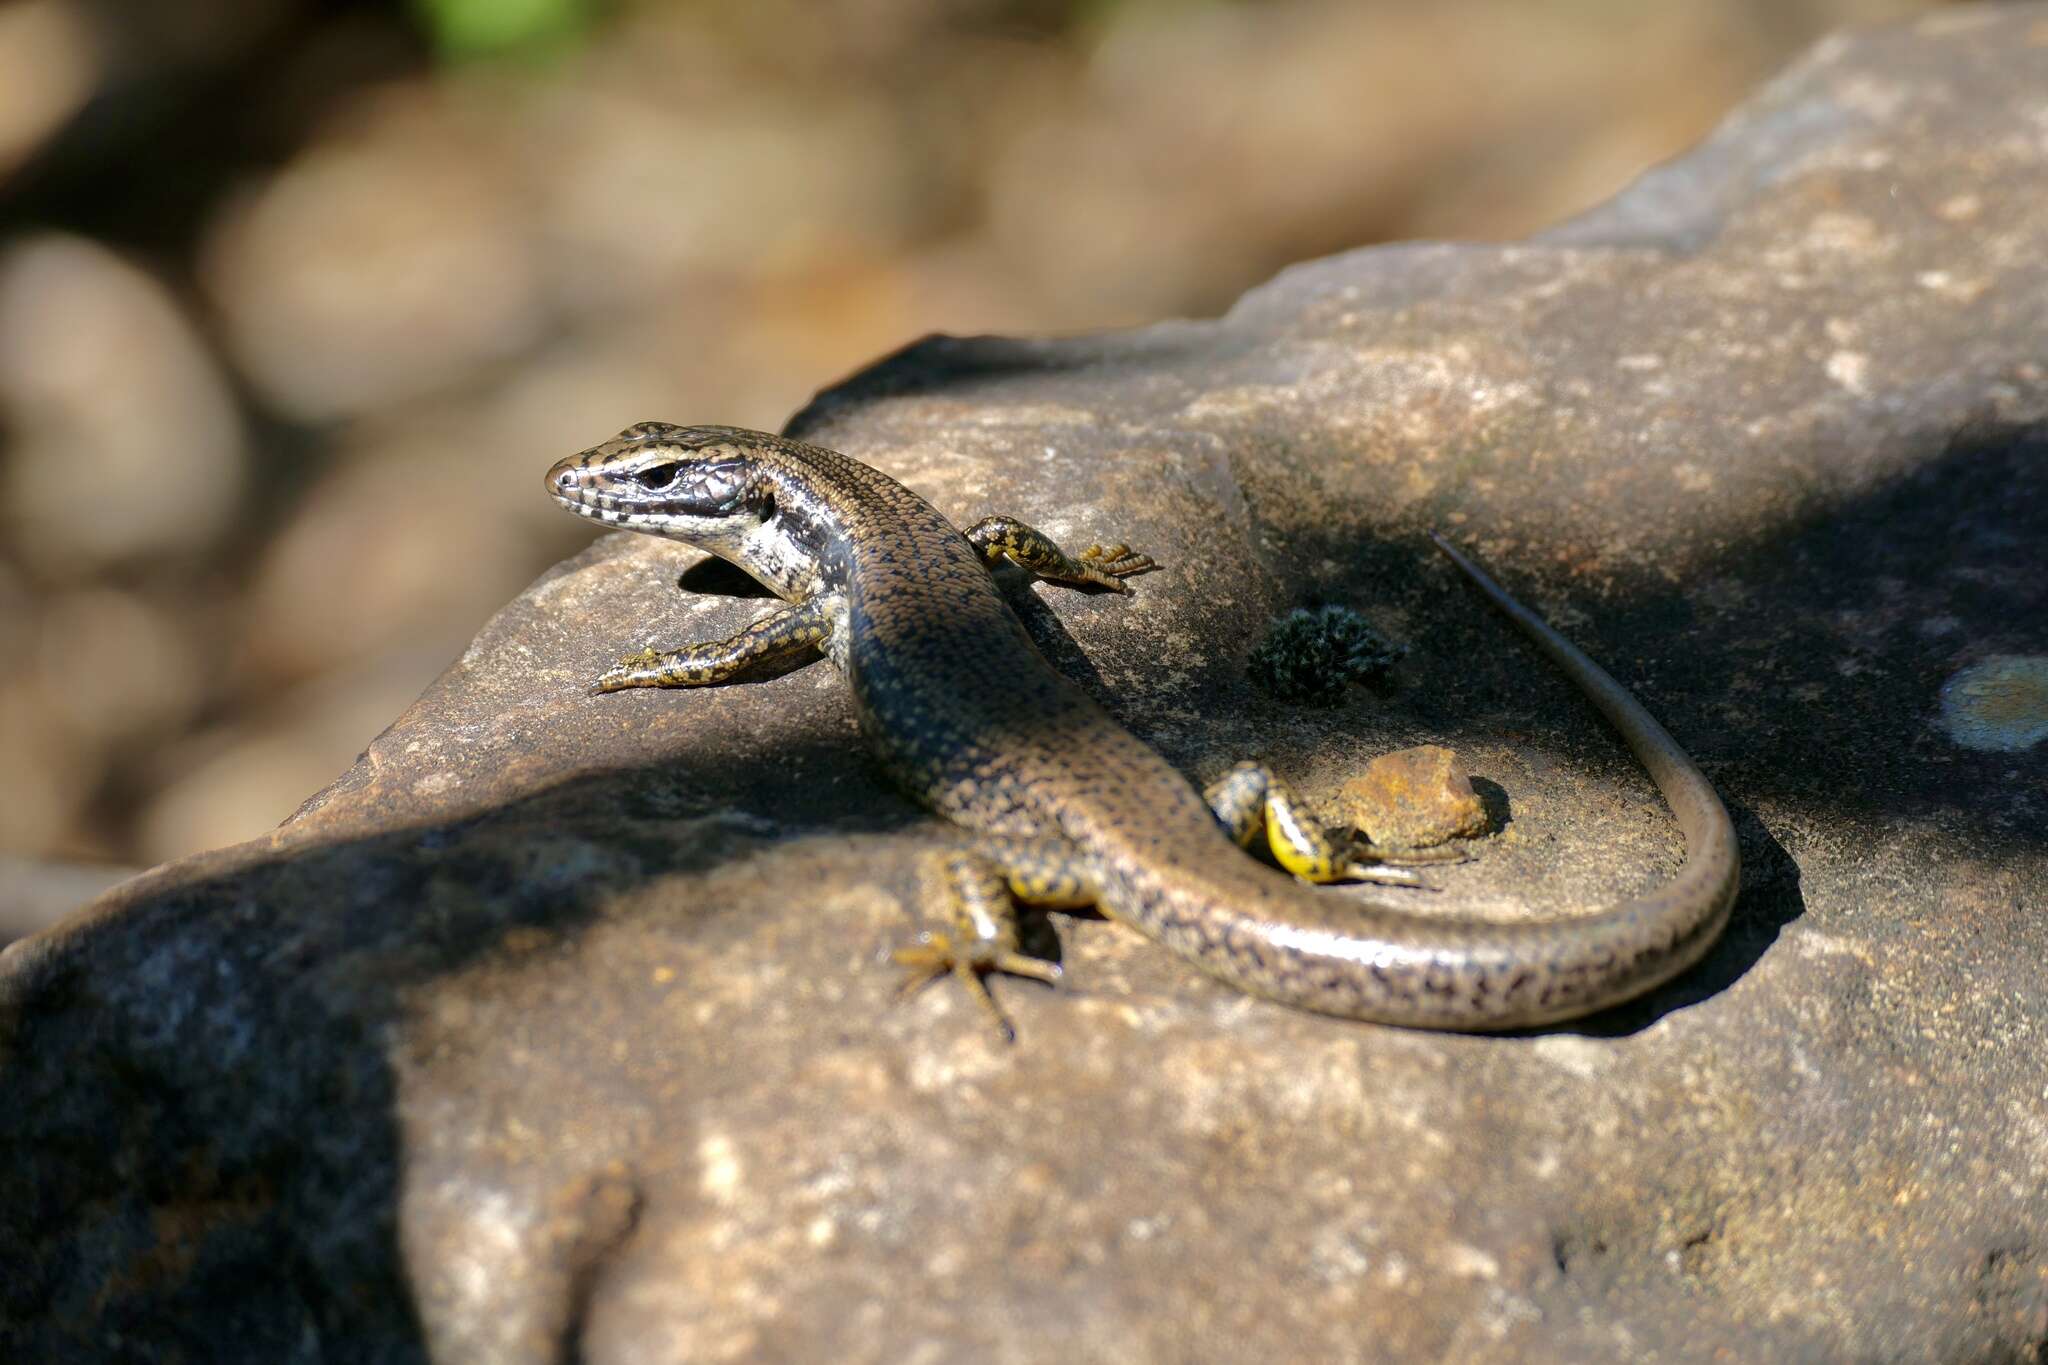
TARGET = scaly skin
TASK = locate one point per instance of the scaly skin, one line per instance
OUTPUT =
(966, 714)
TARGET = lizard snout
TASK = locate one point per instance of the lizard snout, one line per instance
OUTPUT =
(562, 481)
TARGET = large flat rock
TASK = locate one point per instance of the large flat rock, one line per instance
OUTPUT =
(561, 1027)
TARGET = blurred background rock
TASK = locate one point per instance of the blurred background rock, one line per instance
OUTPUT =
(298, 297)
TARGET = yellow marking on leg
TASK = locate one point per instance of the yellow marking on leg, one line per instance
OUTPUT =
(1047, 874)
(1297, 848)
(1249, 801)
(1051, 893)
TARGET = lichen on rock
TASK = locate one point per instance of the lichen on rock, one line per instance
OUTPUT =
(1313, 653)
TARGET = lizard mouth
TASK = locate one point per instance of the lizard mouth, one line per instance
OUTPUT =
(565, 488)
(566, 485)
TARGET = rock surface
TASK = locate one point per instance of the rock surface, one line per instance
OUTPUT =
(561, 1028)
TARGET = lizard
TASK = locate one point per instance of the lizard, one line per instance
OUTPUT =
(1066, 808)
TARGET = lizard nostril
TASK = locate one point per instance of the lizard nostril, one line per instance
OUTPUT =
(565, 479)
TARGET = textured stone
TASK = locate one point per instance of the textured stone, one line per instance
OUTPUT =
(563, 1025)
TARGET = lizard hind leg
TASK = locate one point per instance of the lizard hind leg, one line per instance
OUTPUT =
(982, 888)
(1250, 801)
(1006, 540)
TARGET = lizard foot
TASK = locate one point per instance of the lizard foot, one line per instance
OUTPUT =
(934, 956)
(1115, 563)
(1006, 540)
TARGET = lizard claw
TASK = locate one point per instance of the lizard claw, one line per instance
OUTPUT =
(934, 956)
(1384, 876)
(1117, 561)
(1108, 566)
(1368, 862)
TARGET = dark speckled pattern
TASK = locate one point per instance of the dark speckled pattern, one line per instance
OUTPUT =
(963, 710)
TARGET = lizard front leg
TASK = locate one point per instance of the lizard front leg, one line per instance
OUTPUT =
(1006, 540)
(784, 640)
(982, 888)
(1250, 800)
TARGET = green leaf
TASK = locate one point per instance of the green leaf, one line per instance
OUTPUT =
(490, 28)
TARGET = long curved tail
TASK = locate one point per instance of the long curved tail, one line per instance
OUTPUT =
(1391, 965)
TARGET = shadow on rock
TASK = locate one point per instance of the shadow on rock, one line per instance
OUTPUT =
(202, 1139)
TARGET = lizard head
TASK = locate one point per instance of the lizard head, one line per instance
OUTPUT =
(694, 484)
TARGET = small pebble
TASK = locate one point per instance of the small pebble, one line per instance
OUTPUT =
(1413, 798)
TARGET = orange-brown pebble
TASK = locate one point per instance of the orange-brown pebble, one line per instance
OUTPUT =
(1414, 798)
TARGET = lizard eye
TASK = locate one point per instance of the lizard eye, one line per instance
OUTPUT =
(656, 476)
